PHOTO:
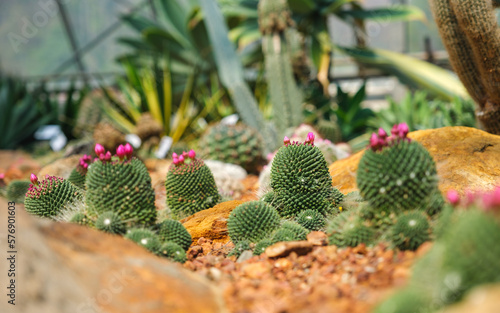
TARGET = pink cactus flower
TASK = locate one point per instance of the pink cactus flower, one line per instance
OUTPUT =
(34, 179)
(181, 159)
(2, 176)
(492, 199)
(120, 151)
(403, 130)
(374, 142)
(286, 141)
(381, 133)
(176, 160)
(128, 150)
(98, 149)
(453, 197)
(107, 156)
(191, 154)
(395, 130)
(310, 138)
(174, 155)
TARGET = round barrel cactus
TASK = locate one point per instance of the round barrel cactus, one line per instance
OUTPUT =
(410, 230)
(190, 186)
(300, 179)
(236, 144)
(51, 196)
(121, 186)
(252, 221)
(396, 173)
(173, 231)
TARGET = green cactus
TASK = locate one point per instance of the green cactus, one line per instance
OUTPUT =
(77, 175)
(236, 144)
(77, 179)
(471, 35)
(379, 219)
(173, 231)
(299, 231)
(435, 203)
(408, 300)
(261, 246)
(300, 180)
(173, 251)
(123, 187)
(190, 188)
(51, 196)
(399, 177)
(81, 218)
(145, 238)
(348, 229)
(410, 230)
(252, 221)
(471, 254)
(268, 197)
(329, 130)
(110, 222)
(311, 220)
(16, 190)
(239, 247)
(276, 25)
(284, 234)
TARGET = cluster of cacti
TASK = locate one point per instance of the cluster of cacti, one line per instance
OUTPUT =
(236, 144)
(397, 178)
(300, 179)
(77, 175)
(276, 25)
(121, 185)
(300, 232)
(190, 185)
(252, 221)
(51, 196)
(16, 190)
(463, 256)
(261, 246)
(396, 173)
(470, 32)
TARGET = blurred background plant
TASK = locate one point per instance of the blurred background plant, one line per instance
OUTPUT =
(189, 63)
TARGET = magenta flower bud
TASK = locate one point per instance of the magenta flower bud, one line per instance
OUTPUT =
(102, 156)
(85, 166)
(286, 141)
(381, 133)
(2, 176)
(374, 141)
(34, 179)
(310, 137)
(403, 130)
(181, 159)
(107, 156)
(128, 150)
(174, 155)
(99, 149)
(453, 197)
(191, 154)
(120, 151)
(395, 130)
(184, 154)
(176, 160)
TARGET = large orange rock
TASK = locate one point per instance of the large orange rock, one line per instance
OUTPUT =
(466, 158)
(69, 268)
(211, 223)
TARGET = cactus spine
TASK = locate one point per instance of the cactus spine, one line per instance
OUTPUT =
(471, 35)
(276, 25)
